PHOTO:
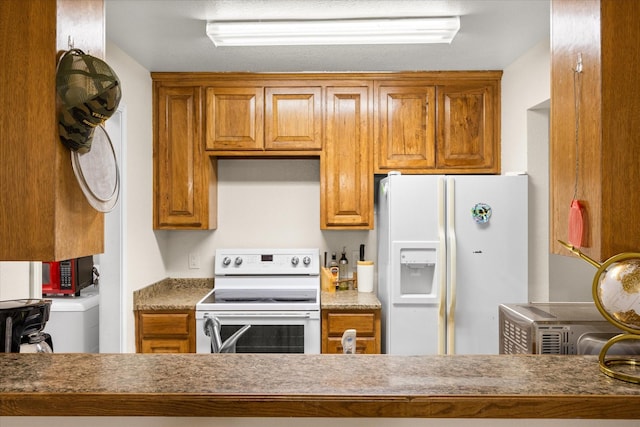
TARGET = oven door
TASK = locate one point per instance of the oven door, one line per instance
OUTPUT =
(270, 331)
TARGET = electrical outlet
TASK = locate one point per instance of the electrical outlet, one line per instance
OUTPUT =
(194, 260)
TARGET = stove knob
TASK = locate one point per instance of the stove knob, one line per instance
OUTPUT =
(306, 260)
(295, 260)
(226, 261)
(238, 261)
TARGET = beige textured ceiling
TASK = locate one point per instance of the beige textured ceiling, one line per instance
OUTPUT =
(170, 35)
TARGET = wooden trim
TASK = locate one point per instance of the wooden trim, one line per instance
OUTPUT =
(273, 405)
(226, 78)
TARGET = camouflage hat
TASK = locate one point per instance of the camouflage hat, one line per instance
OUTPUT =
(89, 93)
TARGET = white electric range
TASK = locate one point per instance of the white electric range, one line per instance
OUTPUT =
(275, 291)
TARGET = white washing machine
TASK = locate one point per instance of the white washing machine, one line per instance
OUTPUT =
(74, 322)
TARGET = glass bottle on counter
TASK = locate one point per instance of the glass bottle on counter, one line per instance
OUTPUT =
(344, 264)
(334, 269)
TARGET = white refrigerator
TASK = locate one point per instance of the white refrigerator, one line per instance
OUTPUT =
(451, 249)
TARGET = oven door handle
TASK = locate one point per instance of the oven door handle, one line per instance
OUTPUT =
(262, 314)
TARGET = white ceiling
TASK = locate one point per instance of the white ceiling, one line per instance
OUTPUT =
(169, 35)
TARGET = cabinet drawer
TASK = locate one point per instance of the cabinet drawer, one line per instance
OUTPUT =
(165, 324)
(363, 323)
(363, 346)
(165, 346)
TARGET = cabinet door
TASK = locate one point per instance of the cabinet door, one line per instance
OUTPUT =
(165, 331)
(293, 118)
(180, 199)
(234, 118)
(405, 128)
(346, 178)
(365, 322)
(468, 117)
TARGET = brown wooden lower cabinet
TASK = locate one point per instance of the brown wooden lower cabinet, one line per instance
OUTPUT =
(165, 331)
(365, 322)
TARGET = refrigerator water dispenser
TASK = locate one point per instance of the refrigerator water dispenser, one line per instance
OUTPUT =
(417, 271)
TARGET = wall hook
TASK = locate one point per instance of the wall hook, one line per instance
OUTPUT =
(578, 68)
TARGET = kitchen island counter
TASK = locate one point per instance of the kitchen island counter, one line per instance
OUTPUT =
(242, 385)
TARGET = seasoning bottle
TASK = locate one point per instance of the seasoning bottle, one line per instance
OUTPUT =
(334, 269)
(344, 264)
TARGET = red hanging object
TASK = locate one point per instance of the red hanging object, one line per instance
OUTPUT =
(576, 224)
(576, 211)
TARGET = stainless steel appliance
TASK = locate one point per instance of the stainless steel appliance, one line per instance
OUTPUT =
(275, 291)
(21, 325)
(555, 328)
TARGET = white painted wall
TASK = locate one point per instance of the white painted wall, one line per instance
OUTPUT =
(526, 90)
(262, 203)
(525, 84)
(14, 280)
(525, 146)
(145, 264)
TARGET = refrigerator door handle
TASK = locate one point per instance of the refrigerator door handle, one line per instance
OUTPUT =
(442, 272)
(452, 249)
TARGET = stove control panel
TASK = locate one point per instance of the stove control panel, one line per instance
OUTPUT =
(267, 262)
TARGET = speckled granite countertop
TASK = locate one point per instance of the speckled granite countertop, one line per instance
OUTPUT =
(349, 300)
(183, 294)
(229, 385)
(172, 294)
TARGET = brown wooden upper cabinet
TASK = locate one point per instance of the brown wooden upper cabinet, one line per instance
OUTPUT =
(467, 119)
(346, 178)
(421, 122)
(234, 118)
(428, 127)
(181, 171)
(406, 127)
(293, 118)
(263, 118)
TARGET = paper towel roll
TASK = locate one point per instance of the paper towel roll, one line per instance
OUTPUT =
(365, 276)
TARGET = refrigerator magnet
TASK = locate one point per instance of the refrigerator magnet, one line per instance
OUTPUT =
(481, 213)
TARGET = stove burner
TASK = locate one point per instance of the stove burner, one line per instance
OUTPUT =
(261, 296)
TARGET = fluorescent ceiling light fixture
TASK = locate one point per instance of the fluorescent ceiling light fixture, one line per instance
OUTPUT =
(334, 32)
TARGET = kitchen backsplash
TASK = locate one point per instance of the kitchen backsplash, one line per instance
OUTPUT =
(262, 203)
